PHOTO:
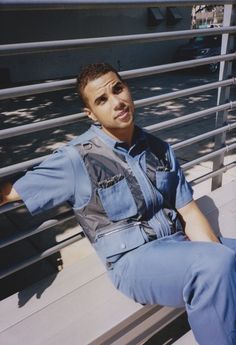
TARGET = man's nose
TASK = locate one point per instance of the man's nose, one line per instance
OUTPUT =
(116, 101)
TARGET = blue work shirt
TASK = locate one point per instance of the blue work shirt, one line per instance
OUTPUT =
(59, 178)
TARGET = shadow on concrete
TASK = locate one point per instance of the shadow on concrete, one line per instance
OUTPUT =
(35, 290)
(207, 205)
(25, 110)
(17, 222)
(36, 108)
(171, 333)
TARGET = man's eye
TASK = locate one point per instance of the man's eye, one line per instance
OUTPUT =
(118, 88)
(102, 100)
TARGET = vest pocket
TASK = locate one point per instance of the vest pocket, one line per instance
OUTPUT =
(111, 245)
(117, 200)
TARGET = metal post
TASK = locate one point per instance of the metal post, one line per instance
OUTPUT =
(223, 96)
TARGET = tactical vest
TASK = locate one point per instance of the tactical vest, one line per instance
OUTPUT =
(116, 218)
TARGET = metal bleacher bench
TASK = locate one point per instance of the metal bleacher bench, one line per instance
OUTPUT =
(82, 307)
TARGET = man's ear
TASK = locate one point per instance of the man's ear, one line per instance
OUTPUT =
(90, 114)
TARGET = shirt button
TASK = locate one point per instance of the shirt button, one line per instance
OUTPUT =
(123, 246)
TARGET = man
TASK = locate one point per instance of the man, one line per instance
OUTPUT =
(135, 206)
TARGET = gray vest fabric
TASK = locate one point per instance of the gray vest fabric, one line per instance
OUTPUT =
(117, 205)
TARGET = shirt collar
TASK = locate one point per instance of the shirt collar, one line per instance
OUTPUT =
(139, 139)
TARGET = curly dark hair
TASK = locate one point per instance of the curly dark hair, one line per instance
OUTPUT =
(92, 72)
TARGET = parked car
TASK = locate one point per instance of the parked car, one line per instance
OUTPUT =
(200, 47)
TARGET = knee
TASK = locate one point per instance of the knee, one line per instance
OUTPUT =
(214, 269)
(217, 262)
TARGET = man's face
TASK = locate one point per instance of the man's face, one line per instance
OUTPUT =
(110, 103)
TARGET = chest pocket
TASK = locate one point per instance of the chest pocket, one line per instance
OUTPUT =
(116, 198)
(167, 183)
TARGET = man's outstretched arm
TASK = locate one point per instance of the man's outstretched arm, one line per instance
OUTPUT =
(197, 227)
(8, 194)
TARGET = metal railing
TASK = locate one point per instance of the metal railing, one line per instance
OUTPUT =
(42, 47)
(141, 72)
(39, 47)
(89, 4)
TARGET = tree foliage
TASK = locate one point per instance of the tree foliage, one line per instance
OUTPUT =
(200, 8)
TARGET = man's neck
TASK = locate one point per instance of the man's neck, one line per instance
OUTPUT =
(121, 134)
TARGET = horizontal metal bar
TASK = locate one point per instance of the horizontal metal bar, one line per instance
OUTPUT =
(89, 4)
(60, 219)
(227, 148)
(36, 88)
(11, 206)
(189, 117)
(175, 66)
(46, 46)
(182, 93)
(203, 136)
(65, 120)
(136, 73)
(213, 174)
(19, 266)
(40, 126)
(15, 168)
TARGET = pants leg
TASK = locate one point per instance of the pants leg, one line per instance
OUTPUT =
(198, 275)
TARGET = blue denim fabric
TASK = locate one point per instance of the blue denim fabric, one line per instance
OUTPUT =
(112, 245)
(199, 276)
(61, 178)
(118, 194)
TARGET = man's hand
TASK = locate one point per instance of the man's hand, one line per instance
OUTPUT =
(8, 194)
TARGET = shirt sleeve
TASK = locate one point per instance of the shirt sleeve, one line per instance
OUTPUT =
(52, 183)
(184, 191)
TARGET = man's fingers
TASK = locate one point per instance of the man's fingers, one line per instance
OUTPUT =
(1, 198)
(5, 193)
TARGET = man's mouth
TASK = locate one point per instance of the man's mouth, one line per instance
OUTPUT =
(123, 114)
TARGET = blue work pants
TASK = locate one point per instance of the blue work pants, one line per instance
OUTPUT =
(173, 271)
